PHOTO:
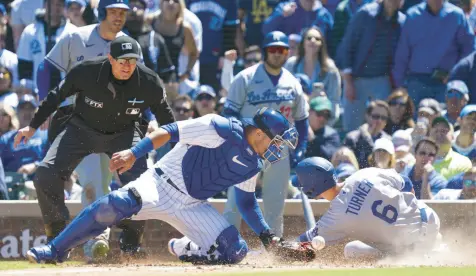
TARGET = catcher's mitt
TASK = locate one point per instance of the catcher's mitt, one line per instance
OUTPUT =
(294, 251)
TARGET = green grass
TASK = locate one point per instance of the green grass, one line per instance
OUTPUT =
(421, 271)
(15, 265)
(411, 271)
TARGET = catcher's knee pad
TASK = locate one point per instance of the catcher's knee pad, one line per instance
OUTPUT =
(116, 206)
(231, 246)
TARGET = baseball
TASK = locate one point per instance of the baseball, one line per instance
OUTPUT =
(318, 243)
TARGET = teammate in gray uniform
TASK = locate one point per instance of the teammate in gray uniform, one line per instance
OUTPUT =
(73, 48)
(268, 84)
(375, 208)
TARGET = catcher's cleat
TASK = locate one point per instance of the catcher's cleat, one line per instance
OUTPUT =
(45, 254)
(188, 251)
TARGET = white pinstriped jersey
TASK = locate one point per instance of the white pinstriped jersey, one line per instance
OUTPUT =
(197, 132)
(372, 208)
(252, 89)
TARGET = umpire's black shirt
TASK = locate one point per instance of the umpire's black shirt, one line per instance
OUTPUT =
(104, 103)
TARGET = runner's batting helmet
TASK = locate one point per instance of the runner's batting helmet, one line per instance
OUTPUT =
(315, 176)
(109, 4)
(275, 38)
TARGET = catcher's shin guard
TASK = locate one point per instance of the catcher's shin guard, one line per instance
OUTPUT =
(92, 221)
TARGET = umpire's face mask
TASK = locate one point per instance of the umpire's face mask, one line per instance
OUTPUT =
(278, 148)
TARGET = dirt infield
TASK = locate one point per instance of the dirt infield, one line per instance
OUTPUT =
(456, 253)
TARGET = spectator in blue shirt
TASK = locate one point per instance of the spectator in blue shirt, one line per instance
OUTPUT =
(24, 158)
(365, 57)
(465, 70)
(254, 13)
(293, 16)
(456, 99)
(435, 36)
(426, 181)
(3, 184)
(465, 141)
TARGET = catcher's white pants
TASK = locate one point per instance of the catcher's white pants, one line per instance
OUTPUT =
(196, 219)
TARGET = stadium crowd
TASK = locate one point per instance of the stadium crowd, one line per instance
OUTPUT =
(388, 83)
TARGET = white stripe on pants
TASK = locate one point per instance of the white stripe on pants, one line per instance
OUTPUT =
(196, 219)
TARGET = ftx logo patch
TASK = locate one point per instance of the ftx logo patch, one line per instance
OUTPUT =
(93, 103)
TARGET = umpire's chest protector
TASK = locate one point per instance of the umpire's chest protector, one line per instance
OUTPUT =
(107, 105)
(208, 171)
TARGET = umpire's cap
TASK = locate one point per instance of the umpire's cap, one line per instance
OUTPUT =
(125, 47)
(275, 38)
(109, 4)
(315, 176)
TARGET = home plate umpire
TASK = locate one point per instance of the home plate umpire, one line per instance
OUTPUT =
(112, 93)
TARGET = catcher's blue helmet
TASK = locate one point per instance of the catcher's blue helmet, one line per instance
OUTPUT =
(109, 4)
(315, 176)
(275, 38)
(278, 129)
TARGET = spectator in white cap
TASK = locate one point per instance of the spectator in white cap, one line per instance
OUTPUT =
(465, 140)
(74, 12)
(429, 108)
(205, 101)
(383, 154)
(456, 98)
(402, 140)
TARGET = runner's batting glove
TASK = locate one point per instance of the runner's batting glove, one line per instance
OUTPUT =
(269, 239)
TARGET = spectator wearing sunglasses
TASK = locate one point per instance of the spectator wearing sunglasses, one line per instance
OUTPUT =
(312, 60)
(323, 140)
(468, 190)
(401, 111)
(362, 140)
(7, 95)
(465, 140)
(448, 162)
(426, 180)
(182, 107)
(456, 98)
(205, 101)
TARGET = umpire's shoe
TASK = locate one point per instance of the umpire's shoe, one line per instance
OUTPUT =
(45, 254)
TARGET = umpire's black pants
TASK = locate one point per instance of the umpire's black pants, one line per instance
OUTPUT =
(74, 143)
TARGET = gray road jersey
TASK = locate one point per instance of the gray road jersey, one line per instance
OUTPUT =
(75, 47)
